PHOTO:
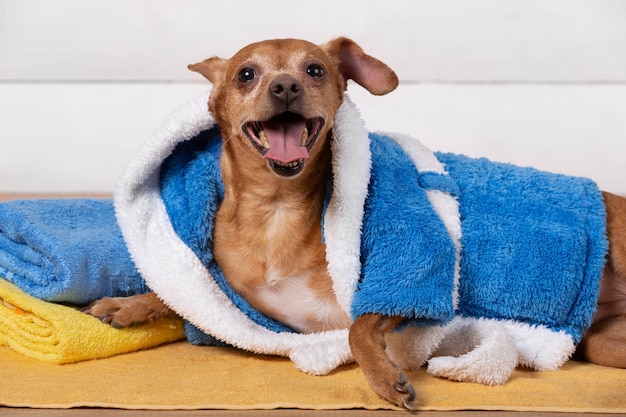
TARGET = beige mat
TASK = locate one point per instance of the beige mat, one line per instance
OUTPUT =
(181, 376)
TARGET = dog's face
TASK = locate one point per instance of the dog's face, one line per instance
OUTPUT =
(277, 99)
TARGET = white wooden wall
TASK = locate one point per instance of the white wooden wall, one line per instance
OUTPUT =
(535, 82)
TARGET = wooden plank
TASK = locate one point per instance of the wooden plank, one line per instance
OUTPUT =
(101, 412)
(445, 40)
(79, 137)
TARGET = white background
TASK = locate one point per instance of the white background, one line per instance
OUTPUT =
(83, 83)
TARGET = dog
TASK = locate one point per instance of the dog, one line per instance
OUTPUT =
(275, 103)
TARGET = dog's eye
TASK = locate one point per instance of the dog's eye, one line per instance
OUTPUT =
(246, 75)
(315, 71)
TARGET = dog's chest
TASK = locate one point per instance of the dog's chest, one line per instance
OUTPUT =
(301, 302)
(277, 263)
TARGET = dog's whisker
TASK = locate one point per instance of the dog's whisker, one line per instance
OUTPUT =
(226, 140)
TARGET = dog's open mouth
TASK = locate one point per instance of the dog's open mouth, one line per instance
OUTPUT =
(285, 140)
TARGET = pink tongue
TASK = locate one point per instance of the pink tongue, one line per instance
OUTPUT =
(285, 138)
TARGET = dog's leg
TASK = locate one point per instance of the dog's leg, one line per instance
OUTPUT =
(605, 341)
(367, 342)
(127, 311)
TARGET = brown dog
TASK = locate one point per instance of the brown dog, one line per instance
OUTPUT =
(275, 103)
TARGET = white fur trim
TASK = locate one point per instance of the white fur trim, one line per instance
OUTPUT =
(539, 347)
(487, 351)
(412, 346)
(352, 162)
(475, 351)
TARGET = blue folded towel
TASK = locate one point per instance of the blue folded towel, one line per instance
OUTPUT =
(66, 250)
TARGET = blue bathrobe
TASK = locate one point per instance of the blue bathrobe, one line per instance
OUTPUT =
(533, 242)
(432, 237)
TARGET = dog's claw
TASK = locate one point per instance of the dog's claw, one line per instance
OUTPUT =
(400, 392)
(405, 387)
(409, 400)
(409, 404)
(400, 387)
(106, 310)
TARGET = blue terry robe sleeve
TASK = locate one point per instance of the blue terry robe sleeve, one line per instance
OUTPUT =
(407, 255)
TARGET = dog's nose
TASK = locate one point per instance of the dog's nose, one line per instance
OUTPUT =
(286, 88)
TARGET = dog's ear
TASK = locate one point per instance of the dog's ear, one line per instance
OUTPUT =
(367, 71)
(212, 69)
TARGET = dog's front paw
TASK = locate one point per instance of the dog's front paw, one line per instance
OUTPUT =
(393, 386)
(367, 342)
(110, 311)
(127, 311)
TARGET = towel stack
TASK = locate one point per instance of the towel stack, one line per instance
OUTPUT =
(71, 252)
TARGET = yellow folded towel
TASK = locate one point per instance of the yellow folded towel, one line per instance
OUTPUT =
(59, 334)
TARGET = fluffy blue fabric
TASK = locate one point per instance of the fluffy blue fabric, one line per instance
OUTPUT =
(407, 256)
(197, 337)
(66, 250)
(534, 244)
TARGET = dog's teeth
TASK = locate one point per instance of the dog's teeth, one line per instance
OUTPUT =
(288, 165)
(305, 136)
(264, 140)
